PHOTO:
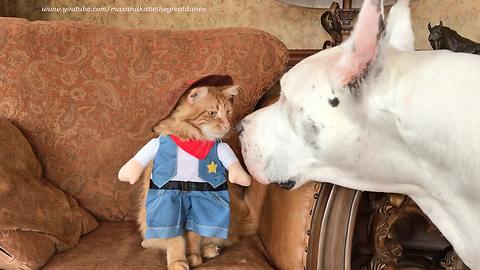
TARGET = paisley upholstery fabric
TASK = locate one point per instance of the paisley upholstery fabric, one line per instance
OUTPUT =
(85, 95)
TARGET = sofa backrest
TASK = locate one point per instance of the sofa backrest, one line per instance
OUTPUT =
(85, 95)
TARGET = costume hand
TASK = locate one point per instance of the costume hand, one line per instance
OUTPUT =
(131, 171)
(237, 175)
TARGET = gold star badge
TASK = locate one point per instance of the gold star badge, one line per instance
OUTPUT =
(212, 168)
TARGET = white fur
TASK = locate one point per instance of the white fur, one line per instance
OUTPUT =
(399, 32)
(412, 127)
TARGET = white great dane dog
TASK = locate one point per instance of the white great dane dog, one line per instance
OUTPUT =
(371, 116)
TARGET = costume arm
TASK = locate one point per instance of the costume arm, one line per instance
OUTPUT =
(236, 173)
(131, 171)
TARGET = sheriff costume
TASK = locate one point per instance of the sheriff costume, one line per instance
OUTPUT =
(188, 186)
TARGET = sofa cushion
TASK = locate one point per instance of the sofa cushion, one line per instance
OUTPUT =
(22, 250)
(86, 95)
(116, 245)
(37, 218)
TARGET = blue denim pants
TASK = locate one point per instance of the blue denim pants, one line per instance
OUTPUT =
(204, 212)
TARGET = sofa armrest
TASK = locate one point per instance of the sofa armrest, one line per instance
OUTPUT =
(307, 228)
(284, 221)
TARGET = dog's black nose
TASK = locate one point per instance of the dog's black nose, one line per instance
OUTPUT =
(287, 185)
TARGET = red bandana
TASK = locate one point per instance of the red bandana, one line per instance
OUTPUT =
(198, 149)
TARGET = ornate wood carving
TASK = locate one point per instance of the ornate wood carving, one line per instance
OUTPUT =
(337, 22)
(388, 253)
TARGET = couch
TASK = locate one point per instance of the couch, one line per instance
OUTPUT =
(77, 100)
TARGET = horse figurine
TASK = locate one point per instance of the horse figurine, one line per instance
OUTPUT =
(442, 37)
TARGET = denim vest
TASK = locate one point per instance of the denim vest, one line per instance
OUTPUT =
(210, 169)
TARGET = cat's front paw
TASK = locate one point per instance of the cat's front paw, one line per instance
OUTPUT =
(194, 260)
(210, 251)
(155, 243)
(178, 265)
(147, 243)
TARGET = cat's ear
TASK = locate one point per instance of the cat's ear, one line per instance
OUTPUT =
(197, 93)
(231, 91)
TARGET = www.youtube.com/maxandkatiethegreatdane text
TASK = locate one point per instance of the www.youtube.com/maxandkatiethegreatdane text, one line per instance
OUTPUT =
(124, 9)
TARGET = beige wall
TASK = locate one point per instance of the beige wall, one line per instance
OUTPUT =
(462, 16)
(298, 28)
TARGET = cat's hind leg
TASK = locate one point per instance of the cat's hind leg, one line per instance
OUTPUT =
(193, 249)
(176, 259)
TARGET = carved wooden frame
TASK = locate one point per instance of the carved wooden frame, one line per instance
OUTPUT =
(331, 234)
(388, 255)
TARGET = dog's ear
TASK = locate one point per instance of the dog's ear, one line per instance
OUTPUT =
(361, 49)
(399, 32)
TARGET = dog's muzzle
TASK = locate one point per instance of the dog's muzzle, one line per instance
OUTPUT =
(240, 125)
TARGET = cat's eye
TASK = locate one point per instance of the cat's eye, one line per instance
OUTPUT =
(212, 114)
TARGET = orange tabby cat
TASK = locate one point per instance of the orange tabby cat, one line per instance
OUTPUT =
(201, 114)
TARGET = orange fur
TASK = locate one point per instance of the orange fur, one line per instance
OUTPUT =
(193, 119)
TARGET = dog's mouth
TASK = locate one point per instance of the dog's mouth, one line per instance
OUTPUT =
(287, 185)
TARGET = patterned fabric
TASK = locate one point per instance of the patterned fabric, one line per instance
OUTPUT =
(85, 96)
